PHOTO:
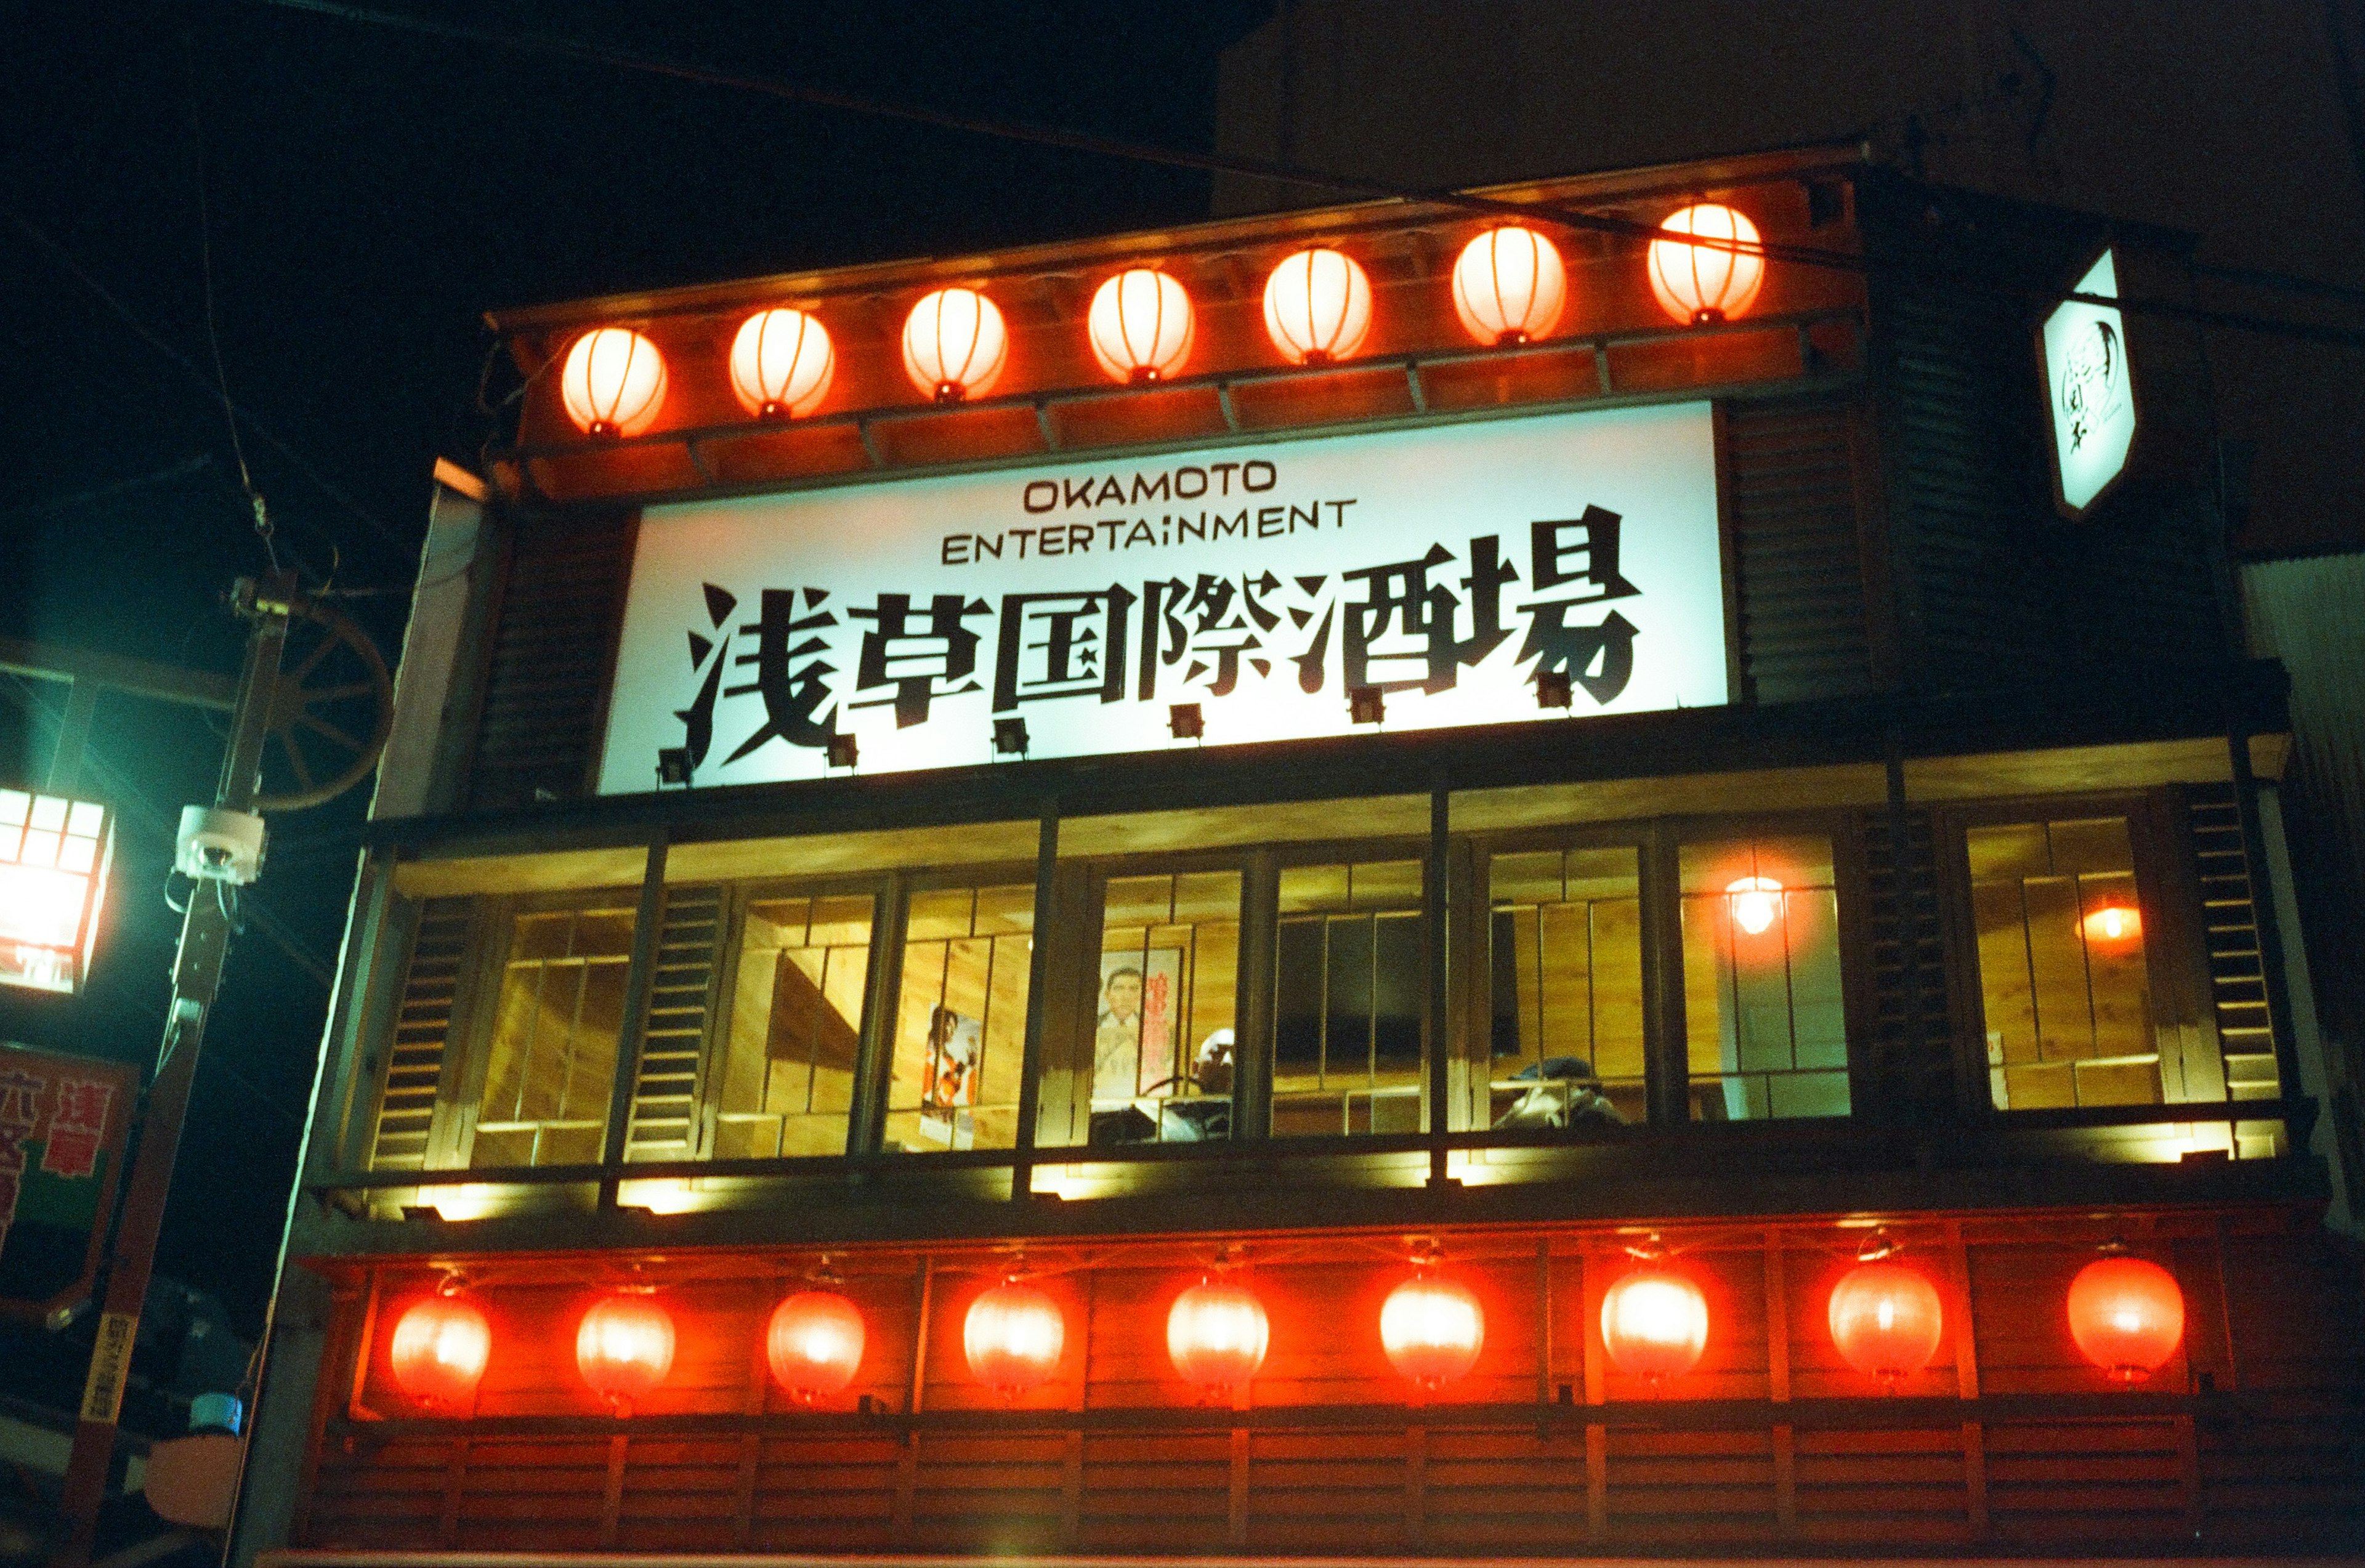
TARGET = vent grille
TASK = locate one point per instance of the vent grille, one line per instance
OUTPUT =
(1790, 485)
(681, 1001)
(546, 684)
(1910, 1057)
(2238, 975)
(422, 1033)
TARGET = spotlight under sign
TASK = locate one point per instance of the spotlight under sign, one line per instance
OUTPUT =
(54, 858)
(1447, 574)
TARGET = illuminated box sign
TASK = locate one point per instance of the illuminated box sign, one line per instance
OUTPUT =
(1444, 566)
(2089, 390)
(53, 861)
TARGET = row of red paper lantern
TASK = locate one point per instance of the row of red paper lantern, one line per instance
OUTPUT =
(1509, 286)
(2126, 1314)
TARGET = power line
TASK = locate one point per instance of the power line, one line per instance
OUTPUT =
(1281, 173)
(65, 261)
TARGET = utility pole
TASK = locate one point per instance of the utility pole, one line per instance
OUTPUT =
(197, 977)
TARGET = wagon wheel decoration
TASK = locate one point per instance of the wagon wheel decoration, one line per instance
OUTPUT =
(332, 710)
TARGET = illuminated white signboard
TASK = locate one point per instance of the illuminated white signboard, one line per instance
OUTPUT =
(1443, 566)
(2090, 392)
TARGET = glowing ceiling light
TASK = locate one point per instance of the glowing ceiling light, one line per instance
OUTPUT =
(2112, 922)
(1756, 902)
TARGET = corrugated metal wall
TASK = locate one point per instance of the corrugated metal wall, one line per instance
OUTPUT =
(2311, 614)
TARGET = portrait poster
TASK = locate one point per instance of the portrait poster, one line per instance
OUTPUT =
(1138, 1020)
(948, 1088)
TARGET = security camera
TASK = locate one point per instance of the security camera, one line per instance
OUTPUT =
(218, 846)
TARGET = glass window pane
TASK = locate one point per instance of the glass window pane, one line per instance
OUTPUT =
(1349, 994)
(1163, 1016)
(550, 1064)
(1764, 1018)
(1568, 977)
(960, 1022)
(786, 1068)
(2063, 981)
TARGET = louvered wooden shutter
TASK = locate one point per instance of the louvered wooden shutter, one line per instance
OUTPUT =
(545, 689)
(422, 1037)
(2237, 976)
(1909, 1052)
(1790, 488)
(682, 994)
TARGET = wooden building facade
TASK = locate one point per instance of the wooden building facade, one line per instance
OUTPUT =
(1951, 928)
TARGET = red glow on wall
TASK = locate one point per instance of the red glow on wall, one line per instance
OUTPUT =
(2127, 1315)
(1432, 1329)
(1886, 1320)
(440, 1349)
(1012, 1336)
(624, 1348)
(813, 1344)
(1655, 1323)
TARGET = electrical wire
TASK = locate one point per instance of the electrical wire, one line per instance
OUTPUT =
(263, 526)
(64, 261)
(1283, 173)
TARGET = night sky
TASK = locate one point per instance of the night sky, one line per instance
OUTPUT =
(370, 196)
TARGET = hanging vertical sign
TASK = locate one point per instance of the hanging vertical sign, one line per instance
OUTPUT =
(1449, 569)
(62, 1123)
(2089, 390)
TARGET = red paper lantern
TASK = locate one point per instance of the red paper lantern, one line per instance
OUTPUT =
(1216, 1334)
(1432, 1329)
(955, 344)
(624, 1346)
(1013, 1336)
(1886, 1320)
(1318, 306)
(1140, 326)
(440, 1349)
(1655, 1323)
(1509, 286)
(1701, 284)
(814, 1344)
(614, 383)
(2127, 1315)
(781, 361)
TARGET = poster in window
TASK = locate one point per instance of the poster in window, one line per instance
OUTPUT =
(1139, 1020)
(956, 1054)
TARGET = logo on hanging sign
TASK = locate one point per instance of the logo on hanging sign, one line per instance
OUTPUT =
(2090, 390)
